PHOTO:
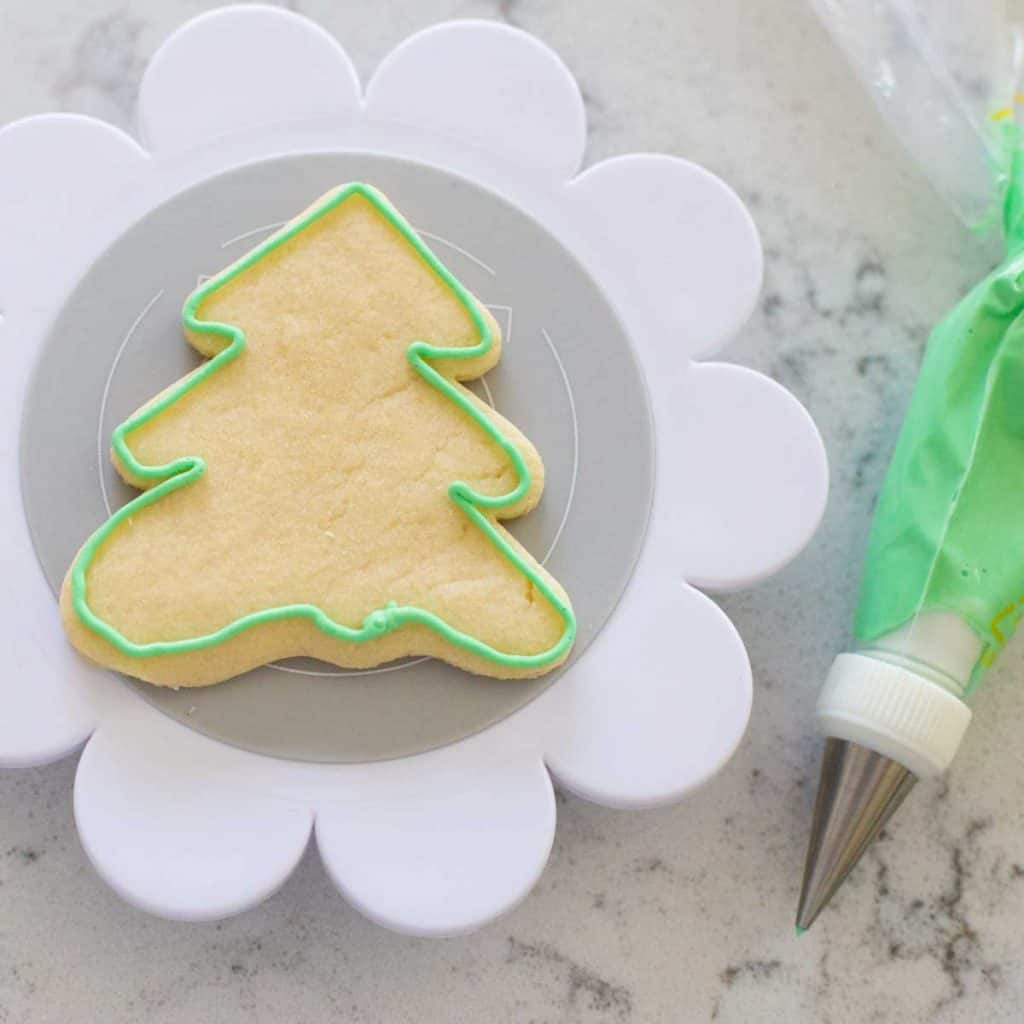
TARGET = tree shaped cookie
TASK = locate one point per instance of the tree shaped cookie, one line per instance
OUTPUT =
(323, 485)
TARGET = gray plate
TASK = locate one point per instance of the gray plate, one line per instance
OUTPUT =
(568, 378)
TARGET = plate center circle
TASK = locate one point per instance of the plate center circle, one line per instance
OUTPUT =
(568, 378)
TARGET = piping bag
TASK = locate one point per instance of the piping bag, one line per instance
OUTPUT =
(943, 582)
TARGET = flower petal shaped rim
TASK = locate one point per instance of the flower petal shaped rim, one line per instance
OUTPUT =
(256, 789)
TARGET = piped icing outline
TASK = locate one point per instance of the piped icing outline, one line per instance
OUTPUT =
(185, 470)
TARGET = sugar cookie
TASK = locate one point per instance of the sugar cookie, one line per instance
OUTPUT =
(323, 485)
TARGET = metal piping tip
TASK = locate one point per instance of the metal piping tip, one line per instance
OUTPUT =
(857, 794)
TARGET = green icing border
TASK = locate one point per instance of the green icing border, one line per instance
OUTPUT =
(185, 470)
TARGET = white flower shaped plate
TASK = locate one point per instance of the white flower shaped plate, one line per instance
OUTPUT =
(440, 842)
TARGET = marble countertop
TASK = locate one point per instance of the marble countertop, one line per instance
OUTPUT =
(677, 915)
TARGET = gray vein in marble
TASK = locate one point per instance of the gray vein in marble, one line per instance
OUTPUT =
(943, 929)
(105, 69)
(509, 11)
(584, 989)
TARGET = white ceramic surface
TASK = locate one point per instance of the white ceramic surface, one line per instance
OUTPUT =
(187, 828)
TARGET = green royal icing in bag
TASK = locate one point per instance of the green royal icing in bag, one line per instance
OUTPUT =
(948, 533)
